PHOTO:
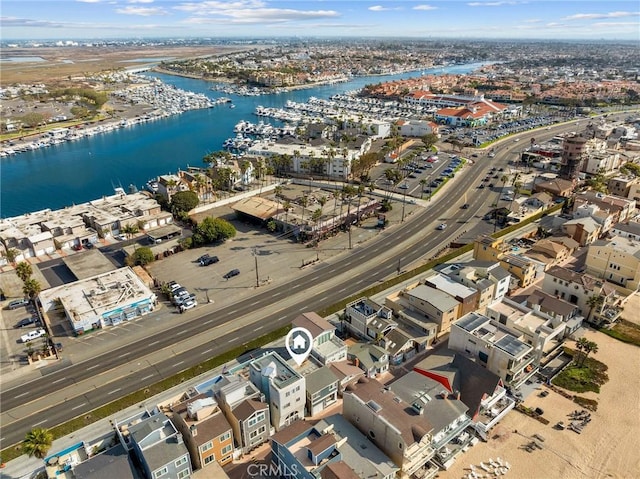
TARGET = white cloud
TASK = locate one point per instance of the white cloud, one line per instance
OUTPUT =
(380, 8)
(597, 16)
(425, 7)
(615, 24)
(142, 11)
(139, 1)
(247, 12)
(88, 1)
(490, 4)
(7, 22)
(533, 20)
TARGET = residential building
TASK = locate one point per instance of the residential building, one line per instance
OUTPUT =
(628, 229)
(486, 248)
(616, 260)
(403, 343)
(550, 252)
(246, 410)
(579, 288)
(469, 298)
(622, 209)
(436, 306)
(112, 463)
(205, 429)
(481, 390)
(543, 332)
(411, 430)
(330, 449)
(493, 345)
(372, 359)
(100, 301)
(283, 387)
(347, 374)
(557, 187)
(487, 277)
(157, 445)
(368, 320)
(327, 348)
(583, 230)
(573, 156)
(322, 390)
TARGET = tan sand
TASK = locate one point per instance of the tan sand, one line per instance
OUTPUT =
(608, 446)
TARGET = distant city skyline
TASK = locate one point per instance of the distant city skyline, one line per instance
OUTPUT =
(490, 19)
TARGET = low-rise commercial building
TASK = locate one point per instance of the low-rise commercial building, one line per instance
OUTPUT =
(100, 301)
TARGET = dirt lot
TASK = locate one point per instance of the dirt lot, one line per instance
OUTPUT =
(62, 63)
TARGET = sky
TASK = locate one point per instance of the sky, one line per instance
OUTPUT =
(532, 19)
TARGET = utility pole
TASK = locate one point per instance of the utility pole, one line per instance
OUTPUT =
(255, 257)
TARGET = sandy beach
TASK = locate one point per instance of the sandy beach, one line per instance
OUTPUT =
(608, 446)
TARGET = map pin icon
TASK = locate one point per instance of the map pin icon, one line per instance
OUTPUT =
(299, 343)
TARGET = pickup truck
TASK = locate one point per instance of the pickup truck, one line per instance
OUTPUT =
(31, 335)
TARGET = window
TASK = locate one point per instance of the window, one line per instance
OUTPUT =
(210, 458)
(227, 449)
(161, 472)
(225, 437)
(206, 447)
(183, 474)
(181, 461)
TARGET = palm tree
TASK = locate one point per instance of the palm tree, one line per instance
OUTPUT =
(37, 442)
(422, 182)
(24, 270)
(31, 288)
(304, 202)
(590, 347)
(129, 230)
(286, 205)
(593, 302)
(581, 345)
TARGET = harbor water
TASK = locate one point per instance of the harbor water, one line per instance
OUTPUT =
(79, 171)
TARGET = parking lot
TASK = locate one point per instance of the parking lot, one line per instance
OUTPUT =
(15, 324)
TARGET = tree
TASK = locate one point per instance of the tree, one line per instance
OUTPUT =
(422, 182)
(589, 347)
(31, 288)
(581, 345)
(429, 140)
(211, 230)
(593, 302)
(141, 256)
(24, 270)
(37, 442)
(184, 201)
(31, 120)
(129, 230)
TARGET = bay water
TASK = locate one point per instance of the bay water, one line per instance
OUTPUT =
(82, 170)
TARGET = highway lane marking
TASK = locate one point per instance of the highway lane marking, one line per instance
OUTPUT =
(184, 331)
(235, 338)
(208, 321)
(342, 290)
(259, 328)
(153, 343)
(38, 423)
(277, 294)
(233, 312)
(254, 303)
(93, 367)
(114, 391)
(324, 298)
(178, 364)
(78, 407)
(58, 380)
(20, 395)
(146, 377)
(206, 352)
(125, 354)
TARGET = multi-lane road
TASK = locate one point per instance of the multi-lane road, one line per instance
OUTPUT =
(63, 394)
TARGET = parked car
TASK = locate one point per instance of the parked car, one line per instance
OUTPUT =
(120, 237)
(180, 300)
(31, 335)
(232, 273)
(202, 258)
(173, 286)
(23, 323)
(209, 260)
(190, 303)
(18, 303)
